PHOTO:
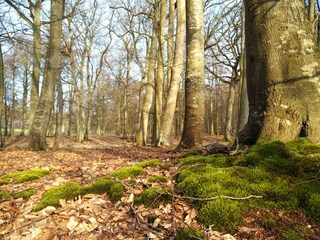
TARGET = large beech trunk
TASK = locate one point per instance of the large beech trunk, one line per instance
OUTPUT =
(282, 72)
(194, 100)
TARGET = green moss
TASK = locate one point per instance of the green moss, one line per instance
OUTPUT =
(223, 214)
(135, 170)
(189, 234)
(4, 195)
(149, 163)
(104, 185)
(278, 172)
(189, 154)
(126, 172)
(158, 179)
(52, 196)
(299, 232)
(153, 197)
(24, 176)
(25, 194)
(217, 160)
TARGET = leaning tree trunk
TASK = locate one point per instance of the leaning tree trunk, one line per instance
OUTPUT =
(282, 72)
(194, 100)
(39, 127)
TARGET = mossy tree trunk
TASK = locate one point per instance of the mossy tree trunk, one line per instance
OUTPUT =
(39, 127)
(194, 83)
(282, 72)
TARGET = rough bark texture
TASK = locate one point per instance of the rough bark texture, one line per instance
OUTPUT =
(37, 139)
(168, 115)
(282, 72)
(59, 117)
(194, 84)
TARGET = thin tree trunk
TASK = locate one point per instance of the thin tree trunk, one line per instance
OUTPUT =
(160, 73)
(168, 116)
(13, 99)
(2, 86)
(59, 117)
(231, 98)
(34, 96)
(24, 100)
(39, 127)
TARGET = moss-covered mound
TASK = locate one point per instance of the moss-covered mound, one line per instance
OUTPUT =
(25, 176)
(23, 194)
(107, 184)
(158, 179)
(285, 175)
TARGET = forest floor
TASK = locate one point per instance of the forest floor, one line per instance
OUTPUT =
(94, 216)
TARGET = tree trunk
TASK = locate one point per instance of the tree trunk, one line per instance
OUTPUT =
(24, 100)
(39, 127)
(1, 95)
(160, 73)
(59, 117)
(13, 99)
(170, 45)
(168, 116)
(243, 101)
(194, 99)
(229, 113)
(147, 101)
(283, 72)
(36, 61)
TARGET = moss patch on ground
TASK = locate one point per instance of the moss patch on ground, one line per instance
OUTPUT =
(285, 175)
(188, 234)
(153, 197)
(106, 184)
(158, 179)
(25, 176)
(23, 194)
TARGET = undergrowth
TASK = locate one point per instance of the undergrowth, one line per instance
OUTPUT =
(286, 176)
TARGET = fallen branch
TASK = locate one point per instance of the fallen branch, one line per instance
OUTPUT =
(214, 198)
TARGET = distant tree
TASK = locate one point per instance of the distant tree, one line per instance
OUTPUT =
(282, 72)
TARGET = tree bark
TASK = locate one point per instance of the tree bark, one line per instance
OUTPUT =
(194, 99)
(142, 135)
(39, 127)
(24, 100)
(160, 73)
(1, 94)
(36, 62)
(282, 73)
(168, 115)
(59, 117)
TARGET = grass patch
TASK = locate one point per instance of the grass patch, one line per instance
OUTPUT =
(25, 176)
(278, 172)
(152, 197)
(158, 179)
